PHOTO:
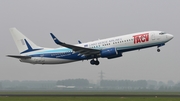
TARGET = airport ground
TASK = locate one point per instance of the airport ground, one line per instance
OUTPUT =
(89, 96)
(88, 99)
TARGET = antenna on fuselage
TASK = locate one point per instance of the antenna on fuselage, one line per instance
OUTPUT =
(79, 42)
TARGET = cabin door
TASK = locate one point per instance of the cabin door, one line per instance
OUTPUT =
(153, 37)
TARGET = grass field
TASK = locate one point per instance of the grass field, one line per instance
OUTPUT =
(37, 96)
(87, 93)
(87, 99)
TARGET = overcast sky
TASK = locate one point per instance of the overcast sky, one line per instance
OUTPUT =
(88, 20)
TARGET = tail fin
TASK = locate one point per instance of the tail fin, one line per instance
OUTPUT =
(23, 44)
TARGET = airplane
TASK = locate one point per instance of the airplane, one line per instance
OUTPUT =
(109, 48)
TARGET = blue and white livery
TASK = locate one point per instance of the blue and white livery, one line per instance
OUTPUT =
(106, 48)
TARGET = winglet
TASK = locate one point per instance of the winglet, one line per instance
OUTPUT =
(55, 39)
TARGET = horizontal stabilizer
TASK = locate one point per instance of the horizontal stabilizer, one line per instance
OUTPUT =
(19, 56)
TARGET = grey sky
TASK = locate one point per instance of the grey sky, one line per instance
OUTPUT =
(87, 20)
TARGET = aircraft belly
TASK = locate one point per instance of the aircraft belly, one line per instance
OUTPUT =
(39, 60)
(56, 61)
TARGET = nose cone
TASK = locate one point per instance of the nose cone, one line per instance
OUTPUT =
(170, 36)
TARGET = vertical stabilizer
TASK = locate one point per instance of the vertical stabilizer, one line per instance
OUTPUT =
(23, 44)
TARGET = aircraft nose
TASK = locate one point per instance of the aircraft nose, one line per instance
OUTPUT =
(170, 36)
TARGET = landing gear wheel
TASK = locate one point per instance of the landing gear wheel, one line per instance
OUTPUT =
(97, 62)
(93, 62)
(158, 50)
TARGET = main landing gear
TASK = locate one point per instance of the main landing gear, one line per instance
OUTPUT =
(94, 62)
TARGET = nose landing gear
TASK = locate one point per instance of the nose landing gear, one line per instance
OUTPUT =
(94, 62)
(158, 50)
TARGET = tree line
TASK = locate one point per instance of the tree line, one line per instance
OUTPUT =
(74, 82)
(124, 83)
(84, 84)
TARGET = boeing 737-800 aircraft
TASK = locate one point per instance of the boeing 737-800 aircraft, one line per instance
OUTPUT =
(106, 48)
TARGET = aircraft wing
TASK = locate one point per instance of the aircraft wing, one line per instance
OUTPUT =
(81, 50)
(19, 56)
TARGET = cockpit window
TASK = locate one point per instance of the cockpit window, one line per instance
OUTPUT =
(162, 33)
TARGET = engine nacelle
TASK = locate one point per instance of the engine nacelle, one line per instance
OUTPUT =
(110, 53)
(116, 56)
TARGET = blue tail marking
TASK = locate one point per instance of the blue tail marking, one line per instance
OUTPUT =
(30, 49)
